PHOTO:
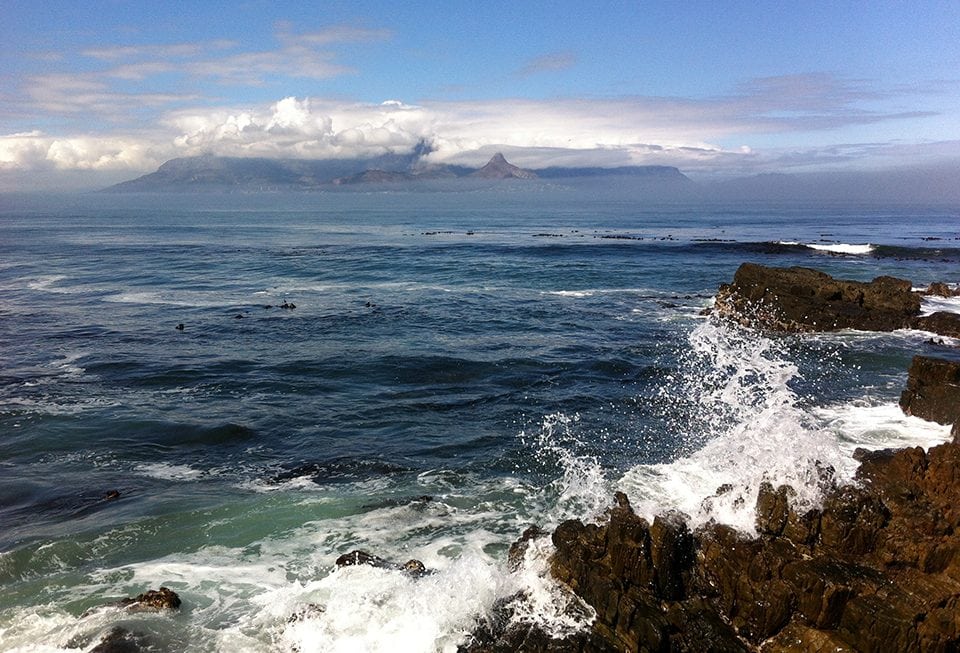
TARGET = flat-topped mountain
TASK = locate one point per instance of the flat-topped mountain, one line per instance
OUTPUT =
(216, 173)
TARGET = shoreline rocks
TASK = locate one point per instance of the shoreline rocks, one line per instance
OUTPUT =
(798, 299)
(876, 568)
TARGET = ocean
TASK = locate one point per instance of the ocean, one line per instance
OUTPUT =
(419, 375)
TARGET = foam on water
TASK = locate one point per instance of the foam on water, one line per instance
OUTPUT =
(170, 472)
(932, 304)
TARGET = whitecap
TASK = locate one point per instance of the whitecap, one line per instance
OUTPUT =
(843, 248)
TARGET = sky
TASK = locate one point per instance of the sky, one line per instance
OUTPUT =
(104, 90)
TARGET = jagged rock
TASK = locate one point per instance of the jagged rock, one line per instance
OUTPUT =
(876, 569)
(940, 289)
(152, 600)
(802, 299)
(414, 568)
(933, 390)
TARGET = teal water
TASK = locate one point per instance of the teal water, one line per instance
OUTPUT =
(457, 367)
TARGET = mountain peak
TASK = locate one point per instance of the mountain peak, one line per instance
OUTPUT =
(499, 168)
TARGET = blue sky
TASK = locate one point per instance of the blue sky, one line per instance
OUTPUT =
(716, 88)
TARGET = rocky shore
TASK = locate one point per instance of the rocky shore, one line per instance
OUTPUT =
(876, 568)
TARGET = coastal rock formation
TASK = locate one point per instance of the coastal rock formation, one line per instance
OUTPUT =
(877, 568)
(802, 299)
(933, 390)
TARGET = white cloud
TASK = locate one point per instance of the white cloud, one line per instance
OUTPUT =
(38, 151)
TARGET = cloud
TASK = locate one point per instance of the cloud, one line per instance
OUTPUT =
(695, 134)
(38, 151)
(548, 63)
(331, 34)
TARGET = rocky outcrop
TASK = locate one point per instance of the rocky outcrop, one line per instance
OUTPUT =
(933, 390)
(876, 569)
(802, 299)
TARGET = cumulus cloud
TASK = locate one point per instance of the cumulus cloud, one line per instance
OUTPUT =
(695, 134)
(38, 151)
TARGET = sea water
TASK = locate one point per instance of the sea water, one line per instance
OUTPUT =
(458, 366)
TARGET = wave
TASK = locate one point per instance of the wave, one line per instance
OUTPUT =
(882, 251)
(747, 426)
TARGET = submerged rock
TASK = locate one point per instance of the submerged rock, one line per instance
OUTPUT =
(121, 640)
(152, 600)
(414, 568)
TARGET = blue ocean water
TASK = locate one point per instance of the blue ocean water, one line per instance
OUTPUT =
(419, 375)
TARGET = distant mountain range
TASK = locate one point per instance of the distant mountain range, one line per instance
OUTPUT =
(216, 173)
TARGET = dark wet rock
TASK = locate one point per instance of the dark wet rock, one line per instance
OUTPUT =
(121, 640)
(941, 323)
(803, 299)
(933, 390)
(940, 289)
(519, 548)
(152, 600)
(877, 568)
(413, 568)
(502, 632)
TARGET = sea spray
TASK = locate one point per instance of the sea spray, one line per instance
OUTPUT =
(581, 490)
(741, 426)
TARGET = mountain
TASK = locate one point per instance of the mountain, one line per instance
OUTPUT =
(499, 168)
(215, 173)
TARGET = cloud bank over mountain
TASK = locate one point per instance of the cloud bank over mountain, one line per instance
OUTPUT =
(118, 92)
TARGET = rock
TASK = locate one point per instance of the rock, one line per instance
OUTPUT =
(876, 569)
(413, 568)
(941, 323)
(933, 390)
(152, 600)
(802, 299)
(121, 640)
(940, 289)
(519, 548)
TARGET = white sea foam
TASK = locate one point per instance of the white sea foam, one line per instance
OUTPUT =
(834, 248)
(169, 472)
(932, 304)
(843, 248)
(879, 426)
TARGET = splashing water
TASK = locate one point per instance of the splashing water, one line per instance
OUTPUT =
(744, 428)
(582, 490)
